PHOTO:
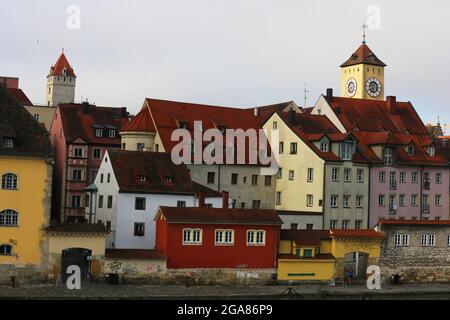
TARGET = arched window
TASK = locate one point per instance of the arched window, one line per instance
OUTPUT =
(5, 250)
(9, 218)
(9, 181)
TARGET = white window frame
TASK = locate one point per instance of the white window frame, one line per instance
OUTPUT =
(347, 175)
(334, 201)
(291, 175)
(9, 143)
(360, 176)
(335, 174)
(309, 200)
(438, 178)
(254, 234)
(359, 201)
(223, 234)
(346, 201)
(401, 240)
(191, 241)
(382, 177)
(310, 175)
(99, 133)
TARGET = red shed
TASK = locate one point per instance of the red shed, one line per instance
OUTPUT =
(218, 238)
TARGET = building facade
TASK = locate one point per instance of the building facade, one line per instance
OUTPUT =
(80, 135)
(61, 82)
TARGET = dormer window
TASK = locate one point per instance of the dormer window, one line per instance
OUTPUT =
(388, 155)
(431, 151)
(142, 178)
(64, 72)
(8, 143)
(168, 180)
(410, 150)
(348, 149)
(324, 145)
(98, 133)
(112, 134)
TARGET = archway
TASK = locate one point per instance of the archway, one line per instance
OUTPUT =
(76, 256)
(358, 261)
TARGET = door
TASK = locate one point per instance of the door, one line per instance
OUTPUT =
(75, 256)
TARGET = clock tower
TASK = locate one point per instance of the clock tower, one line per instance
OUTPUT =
(363, 75)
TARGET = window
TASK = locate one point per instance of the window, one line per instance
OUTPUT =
(108, 225)
(334, 201)
(414, 177)
(268, 181)
(139, 204)
(5, 250)
(97, 153)
(388, 155)
(281, 148)
(347, 150)
(192, 236)
(410, 150)
(438, 178)
(381, 200)
(168, 180)
(112, 134)
(428, 240)
(358, 224)
(346, 202)
(294, 148)
(108, 178)
(244, 180)
(392, 206)
(360, 175)
(280, 173)
(9, 218)
(324, 146)
(8, 143)
(431, 151)
(211, 179)
(294, 226)
(414, 200)
(76, 201)
(87, 202)
(345, 224)
(437, 200)
(78, 152)
(242, 205)
(99, 133)
(333, 224)
(256, 237)
(36, 117)
(310, 174)
(101, 178)
(359, 201)
(110, 202)
(100, 201)
(224, 237)
(278, 198)
(309, 200)
(140, 147)
(309, 226)
(307, 253)
(401, 200)
(256, 204)
(335, 174)
(275, 125)
(139, 229)
(426, 203)
(426, 180)
(254, 180)
(401, 240)
(9, 181)
(448, 240)
(347, 175)
(381, 177)
(291, 174)
(392, 180)
(234, 179)
(76, 175)
(402, 177)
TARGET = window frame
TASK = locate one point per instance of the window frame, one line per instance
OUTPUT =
(10, 181)
(9, 215)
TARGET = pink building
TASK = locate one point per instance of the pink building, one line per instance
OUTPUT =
(80, 135)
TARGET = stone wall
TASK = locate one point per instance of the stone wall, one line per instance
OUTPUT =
(416, 263)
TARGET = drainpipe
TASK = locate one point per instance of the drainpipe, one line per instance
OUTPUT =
(369, 195)
(324, 194)
(219, 177)
(421, 194)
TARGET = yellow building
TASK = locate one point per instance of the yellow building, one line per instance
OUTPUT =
(363, 75)
(25, 193)
(325, 255)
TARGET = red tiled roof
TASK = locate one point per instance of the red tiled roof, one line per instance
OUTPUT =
(306, 237)
(128, 166)
(220, 216)
(142, 122)
(61, 64)
(363, 55)
(415, 222)
(20, 96)
(77, 228)
(81, 121)
(134, 254)
(322, 256)
(339, 233)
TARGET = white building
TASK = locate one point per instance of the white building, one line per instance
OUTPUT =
(129, 188)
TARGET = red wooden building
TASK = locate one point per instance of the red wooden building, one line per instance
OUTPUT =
(218, 238)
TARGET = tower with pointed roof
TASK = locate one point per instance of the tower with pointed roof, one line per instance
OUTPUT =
(363, 75)
(61, 82)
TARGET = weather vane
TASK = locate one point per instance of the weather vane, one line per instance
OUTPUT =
(364, 27)
(306, 94)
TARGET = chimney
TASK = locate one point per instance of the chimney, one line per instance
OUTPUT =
(391, 104)
(291, 116)
(85, 107)
(255, 112)
(201, 200)
(329, 94)
(225, 199)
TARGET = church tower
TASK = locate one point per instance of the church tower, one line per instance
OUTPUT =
(61, 82)
(363, 75)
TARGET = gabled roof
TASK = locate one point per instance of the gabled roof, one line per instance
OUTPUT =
(30, 138)
(81, 120)
(128, 166)
(20, 96)
(60, 65)
(142, 122)
(363, 55)
(219, 216)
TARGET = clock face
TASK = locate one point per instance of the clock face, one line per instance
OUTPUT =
(373, 87)
(351, 87)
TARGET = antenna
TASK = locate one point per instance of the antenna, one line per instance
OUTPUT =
(305, 91)
(364, 27)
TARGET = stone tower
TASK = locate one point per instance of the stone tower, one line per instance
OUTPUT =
(61, 82)
(363, 75)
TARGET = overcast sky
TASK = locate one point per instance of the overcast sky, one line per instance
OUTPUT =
(227, 52)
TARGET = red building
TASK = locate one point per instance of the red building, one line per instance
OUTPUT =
(218, 238)
(80, 135)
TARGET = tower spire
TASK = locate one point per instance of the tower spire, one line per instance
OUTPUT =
(364, 27)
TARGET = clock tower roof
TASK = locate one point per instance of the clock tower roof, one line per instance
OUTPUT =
(363, 56)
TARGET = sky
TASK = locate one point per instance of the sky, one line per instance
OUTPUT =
(233, 53)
